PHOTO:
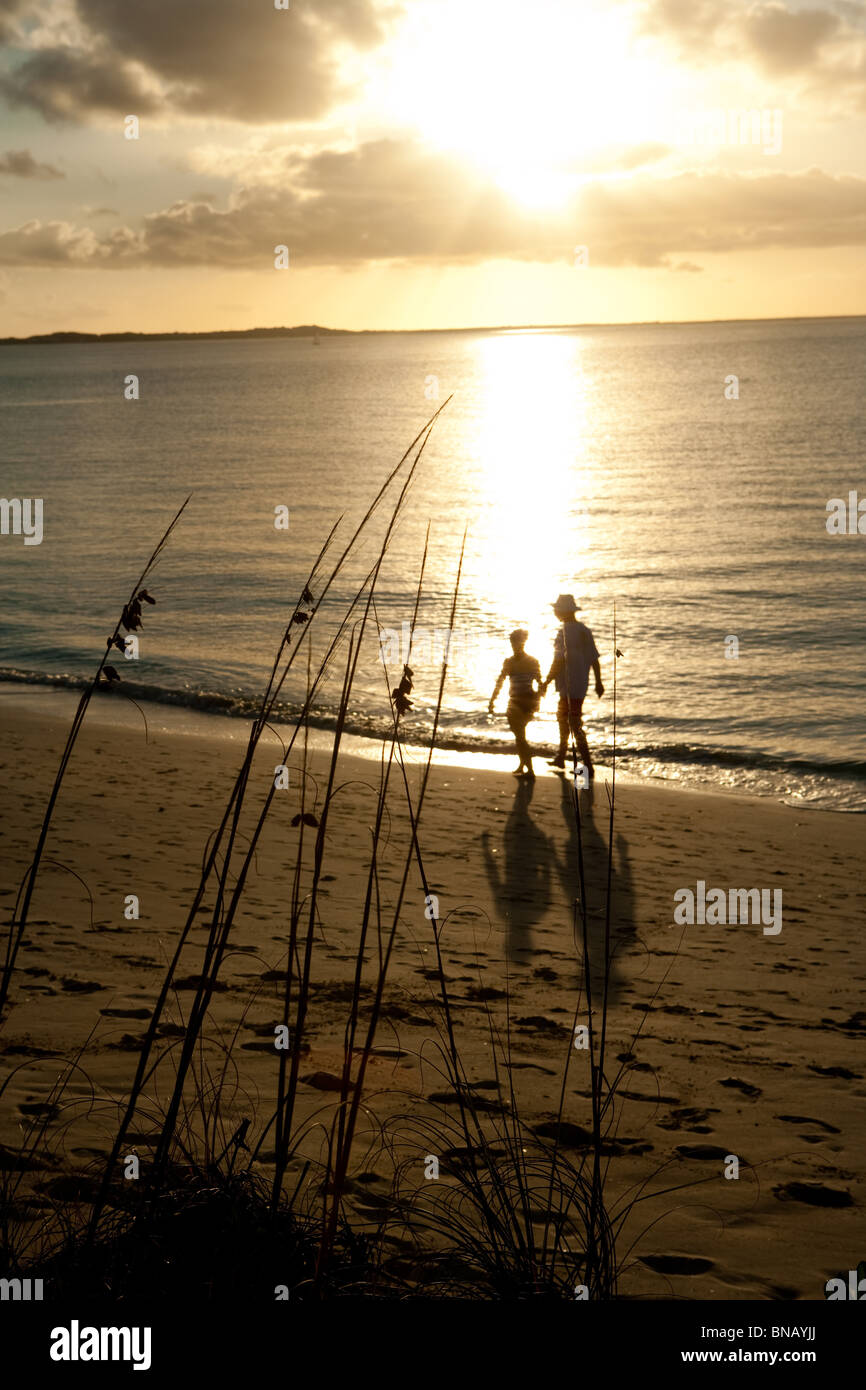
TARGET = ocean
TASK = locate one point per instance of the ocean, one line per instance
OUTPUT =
(674, 478)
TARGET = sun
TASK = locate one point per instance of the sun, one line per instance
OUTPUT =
(527, 92)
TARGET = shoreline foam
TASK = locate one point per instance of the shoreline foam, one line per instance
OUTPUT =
(714, 771)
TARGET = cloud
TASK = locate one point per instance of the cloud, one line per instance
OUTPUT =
(822, 51)
(22, 165)
(67, 84)
(9, 10)
(242, 62)
(391, 200)
(788, 40)
(48, 243)
(689, 26)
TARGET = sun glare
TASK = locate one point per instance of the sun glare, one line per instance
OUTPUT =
(524, 91)
(535, 474)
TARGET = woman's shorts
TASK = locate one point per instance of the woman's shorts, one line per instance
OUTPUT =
(525, 708)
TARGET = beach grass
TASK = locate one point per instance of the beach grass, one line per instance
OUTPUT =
(262, 1203)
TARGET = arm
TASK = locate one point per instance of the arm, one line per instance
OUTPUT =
(596, 670)
(555, 668)
(496, 689)
(557, 662)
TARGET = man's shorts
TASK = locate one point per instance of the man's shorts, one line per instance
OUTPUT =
(573, 708)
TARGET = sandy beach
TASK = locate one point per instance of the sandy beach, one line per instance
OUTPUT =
(732, 1040)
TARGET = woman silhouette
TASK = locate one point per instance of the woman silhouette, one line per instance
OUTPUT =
(524, 677)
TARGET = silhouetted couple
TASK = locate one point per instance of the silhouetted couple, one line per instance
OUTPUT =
(574, 656)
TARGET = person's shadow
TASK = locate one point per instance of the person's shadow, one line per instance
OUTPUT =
(521, 878)
(593, 836)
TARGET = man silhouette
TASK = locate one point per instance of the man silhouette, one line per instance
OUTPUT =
(574, 656)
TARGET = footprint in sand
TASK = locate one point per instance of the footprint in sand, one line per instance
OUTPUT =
(12, 1162)
(688, 1117)
(70, 1187)
(804, 1120)
(814, 1194)
(736, 1084)
(676, 1264)
(538, 1024)
(266, 1044)
(37, 1109)
(193, 982)
(127, 1043)
(705, 1152)
(571, 1136)
(648, 1098)
(477, 1102)
(460, 1158)
(855, 1024)
(326, 1081)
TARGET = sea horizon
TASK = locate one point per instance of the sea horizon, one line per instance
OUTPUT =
(70, 336)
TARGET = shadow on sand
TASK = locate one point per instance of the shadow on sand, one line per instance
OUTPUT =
(538, 871)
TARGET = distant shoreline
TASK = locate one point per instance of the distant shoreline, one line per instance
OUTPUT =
(64, 338)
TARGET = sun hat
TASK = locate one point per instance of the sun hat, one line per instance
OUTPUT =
(565, 604)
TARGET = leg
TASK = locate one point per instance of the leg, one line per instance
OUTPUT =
(577, 729)
(517, 721)
(562, 721)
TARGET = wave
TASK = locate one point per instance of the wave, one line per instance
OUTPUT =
(652, 756)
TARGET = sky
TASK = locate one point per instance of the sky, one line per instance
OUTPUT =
(428, 163)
